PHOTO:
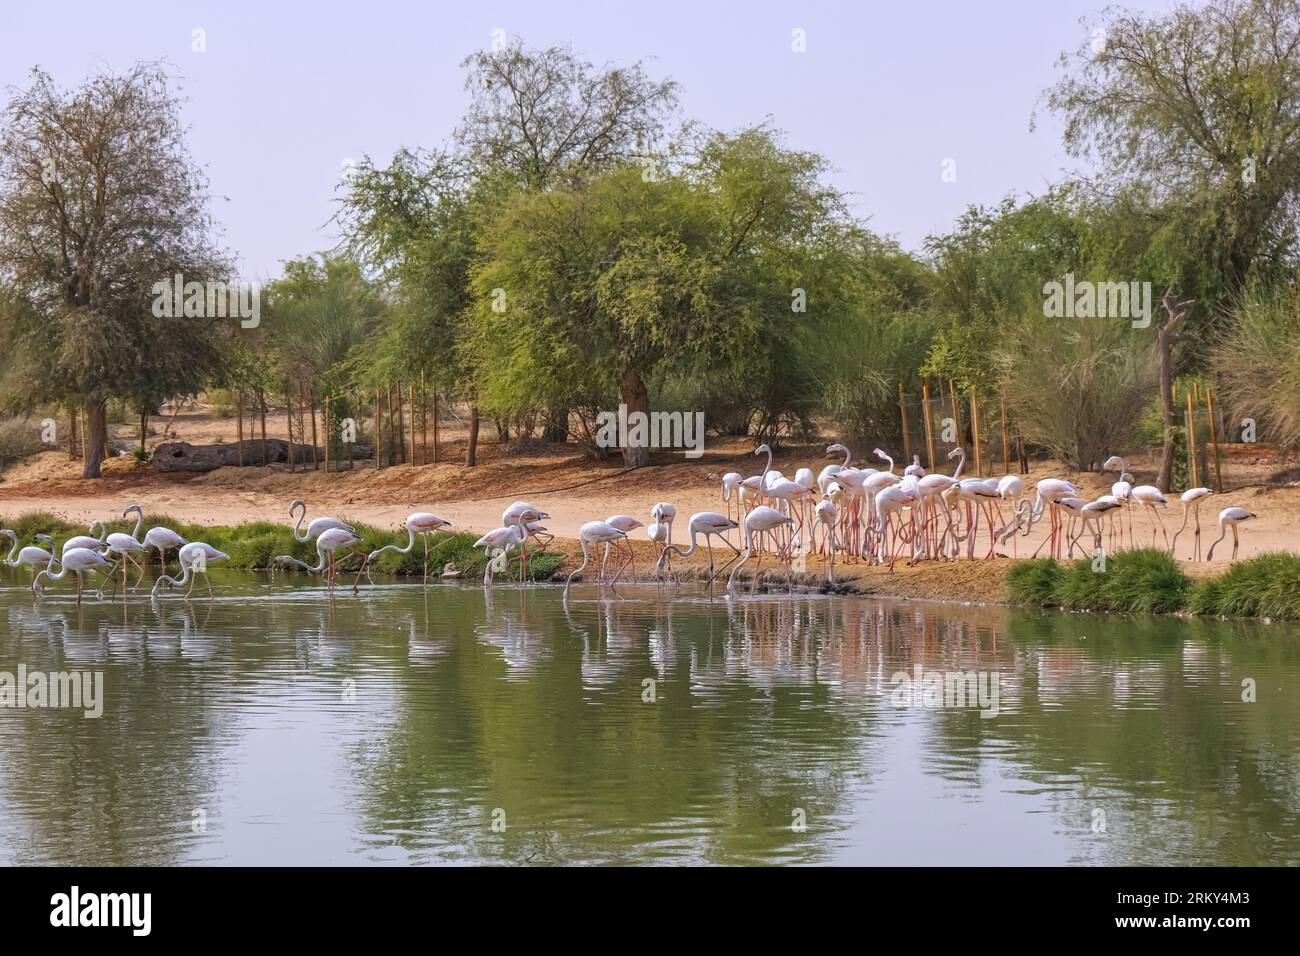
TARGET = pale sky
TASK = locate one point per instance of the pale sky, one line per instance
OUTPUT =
(288, 90)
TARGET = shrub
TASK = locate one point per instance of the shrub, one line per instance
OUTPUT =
(1264, 586)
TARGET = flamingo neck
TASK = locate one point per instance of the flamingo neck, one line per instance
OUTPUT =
(11, 560)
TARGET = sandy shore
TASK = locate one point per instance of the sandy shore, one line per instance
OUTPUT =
(575, 490)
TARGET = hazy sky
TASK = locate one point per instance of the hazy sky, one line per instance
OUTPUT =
(287, 90)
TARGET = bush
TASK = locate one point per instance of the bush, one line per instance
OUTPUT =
(19, 439)
(1264, 586)
(1146, 580)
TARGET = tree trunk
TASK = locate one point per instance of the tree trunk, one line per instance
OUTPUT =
(471, 450)
(633, 393)
(96, 440)
(557, 425)
(144, 427)
(503, 431)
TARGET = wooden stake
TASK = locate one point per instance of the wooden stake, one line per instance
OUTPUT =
(379, 429)
(956, 416)
(929, 428)
(1191, 440)
(435, 425)
(288, 419)
(907, 441)
(975, 435)
(72, 432)
(311, 404)
(1214, 440)
(325, 425)
(261, 400)
(239, 424)
(1006, 450)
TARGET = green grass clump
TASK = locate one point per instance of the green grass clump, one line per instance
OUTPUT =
(1034, 581)
(1264, 586)
(1146, 580)
(253, 546)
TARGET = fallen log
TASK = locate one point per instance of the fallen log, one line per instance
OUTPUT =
(182, 456)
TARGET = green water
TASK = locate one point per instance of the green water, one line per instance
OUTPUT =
(412, 725)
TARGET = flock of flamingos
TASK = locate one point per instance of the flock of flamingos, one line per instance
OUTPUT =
(864, 514)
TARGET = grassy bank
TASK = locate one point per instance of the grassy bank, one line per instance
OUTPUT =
(1150, 581)
(253, 546)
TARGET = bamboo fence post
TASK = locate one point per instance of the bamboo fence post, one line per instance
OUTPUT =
(388, 398)
(325, 429)
(956, 416)
(401, 427)
(288, 422)
(929, 429)
(435, 424)
(261, 400)
(1006, 449)
(975, 435)
(1191, 440)
(902, 408)
(424, 421)
(410, 403)
(1214, 439)
(311, 404)
(379, 429)
(239, 424)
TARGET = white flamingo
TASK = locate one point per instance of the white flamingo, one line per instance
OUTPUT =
(593, 533)
(193, 558)
(74, 561)
(317, 527)
(423, 523)
(329, 541)
(762, 520)
(30, 556)
(1230, 518)
(709, 524)
(1191, 499)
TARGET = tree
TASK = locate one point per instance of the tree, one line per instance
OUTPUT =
(544, 114)
(593, 288)
(99, 200)
(1198, 113)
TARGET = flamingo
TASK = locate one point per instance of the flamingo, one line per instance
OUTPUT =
(707, 523)
(1230, 517)
(74, 561)
(318, 526)
(127, 545)
(530, 514)
(1191, 499)
(626, 524)
(523, 523)
(915, 467)
(762, 520)
(1050, 492)
(1151, 498)
(87, 541)
(422, 523)
(782, 489)
(593, 533)
(1091, 514)
(30, 556)
(827, 514)
(730, 486)
(328, 542)
(828, 473)
(164, 539)
(193, 558)
(889, 502)
(660, 530)
(1123, 490)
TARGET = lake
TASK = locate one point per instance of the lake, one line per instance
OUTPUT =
(443, 725)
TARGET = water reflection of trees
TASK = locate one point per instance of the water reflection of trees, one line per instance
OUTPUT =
(467, 703)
